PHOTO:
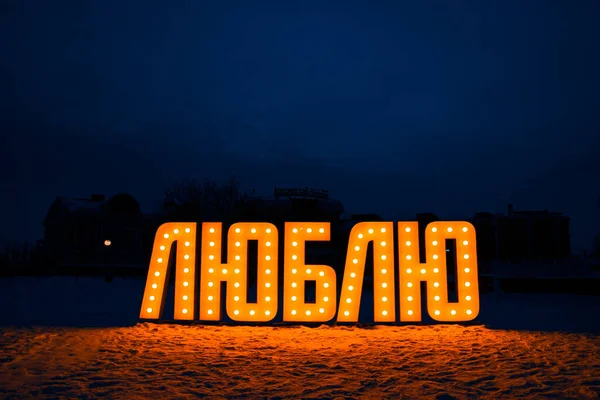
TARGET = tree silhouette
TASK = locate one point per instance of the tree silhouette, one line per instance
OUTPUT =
(191, 200)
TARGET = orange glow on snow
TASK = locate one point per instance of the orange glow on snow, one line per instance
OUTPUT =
(388, 362)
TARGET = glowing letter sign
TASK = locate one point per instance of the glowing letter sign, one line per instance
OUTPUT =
(233, 273)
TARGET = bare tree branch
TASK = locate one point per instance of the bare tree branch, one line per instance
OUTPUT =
(196, 201)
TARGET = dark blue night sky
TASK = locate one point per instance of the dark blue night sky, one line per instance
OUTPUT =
(395, 107)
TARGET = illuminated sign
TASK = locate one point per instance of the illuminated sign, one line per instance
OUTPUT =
(411, 272)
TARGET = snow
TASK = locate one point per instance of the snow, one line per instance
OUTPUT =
(79, 337)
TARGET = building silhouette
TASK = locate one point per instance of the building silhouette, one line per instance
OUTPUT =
(293, 205)
(96, 230)
(522, 235)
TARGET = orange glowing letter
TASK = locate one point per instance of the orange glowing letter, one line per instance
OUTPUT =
(382, 236)
(433, 271)
(185, 271)
(296, 273)
(235, 272)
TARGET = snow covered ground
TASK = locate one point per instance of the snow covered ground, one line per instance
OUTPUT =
(78, 337)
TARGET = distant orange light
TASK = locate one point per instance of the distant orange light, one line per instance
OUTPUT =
(107, 242)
